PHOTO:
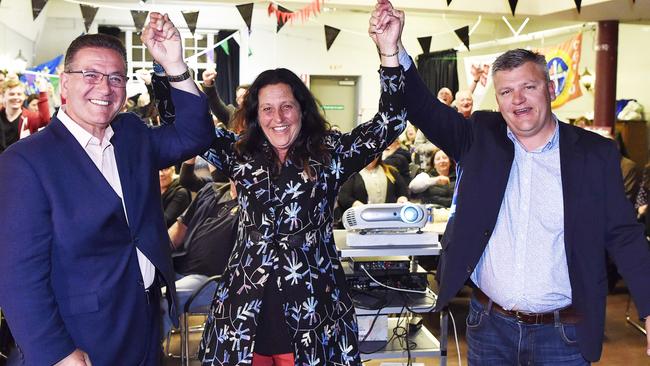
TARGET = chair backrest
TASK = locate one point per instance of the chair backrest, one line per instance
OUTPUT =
(201, 298)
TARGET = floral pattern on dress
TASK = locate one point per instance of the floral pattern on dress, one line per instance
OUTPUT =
(285, 233)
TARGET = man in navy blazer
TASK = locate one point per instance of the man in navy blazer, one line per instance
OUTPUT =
(83, 244)
(538, 204)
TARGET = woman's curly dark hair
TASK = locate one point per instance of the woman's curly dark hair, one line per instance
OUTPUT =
(310, 143)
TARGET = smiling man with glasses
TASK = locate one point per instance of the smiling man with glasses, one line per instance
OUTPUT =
(83, 244)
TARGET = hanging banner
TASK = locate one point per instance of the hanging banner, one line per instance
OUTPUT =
(282, 19)
(246, 12)
(578, 5)
(190, 18)
(479, 67)
(37, 7)
(448, 2)
(330, 36)
(47, 69)
(513, 6)
(425, 43)
(463, 34)
(139, 17)
(563, 62)
(88, 13)
(285, 15)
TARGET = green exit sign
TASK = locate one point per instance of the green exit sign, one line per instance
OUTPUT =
(333, 107)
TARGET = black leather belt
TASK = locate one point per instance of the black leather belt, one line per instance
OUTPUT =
(567, 315)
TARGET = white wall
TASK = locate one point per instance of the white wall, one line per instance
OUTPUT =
(301, 46)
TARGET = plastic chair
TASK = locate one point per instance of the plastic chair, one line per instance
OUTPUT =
(201, 308)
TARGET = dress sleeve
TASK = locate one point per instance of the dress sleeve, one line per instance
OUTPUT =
(163, 99)
(356, 149)
(221, 153)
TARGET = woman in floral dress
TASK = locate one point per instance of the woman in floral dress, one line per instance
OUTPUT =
(283, 298)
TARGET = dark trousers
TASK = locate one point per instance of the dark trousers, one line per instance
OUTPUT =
(496, 339)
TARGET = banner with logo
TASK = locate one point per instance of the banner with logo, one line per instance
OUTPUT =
(563, 62)
(479, 67)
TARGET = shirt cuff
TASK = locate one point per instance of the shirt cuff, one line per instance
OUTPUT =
(405, 60)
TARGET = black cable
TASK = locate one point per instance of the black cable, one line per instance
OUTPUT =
(372, 325)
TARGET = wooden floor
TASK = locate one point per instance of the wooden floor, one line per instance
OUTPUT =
(624, 345)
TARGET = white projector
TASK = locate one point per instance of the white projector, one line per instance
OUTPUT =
(385, 216)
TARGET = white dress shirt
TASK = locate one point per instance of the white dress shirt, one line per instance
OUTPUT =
(102, 154)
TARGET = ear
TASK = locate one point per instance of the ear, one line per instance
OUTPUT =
(551, 90)
(64, 79)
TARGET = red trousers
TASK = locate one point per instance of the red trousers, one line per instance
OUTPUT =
(284, 359)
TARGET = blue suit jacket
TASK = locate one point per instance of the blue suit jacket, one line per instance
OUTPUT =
(70, 275)
(597, 216)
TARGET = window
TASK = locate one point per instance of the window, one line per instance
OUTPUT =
(138, 57)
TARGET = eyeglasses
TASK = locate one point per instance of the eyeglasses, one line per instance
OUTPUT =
(96, 77)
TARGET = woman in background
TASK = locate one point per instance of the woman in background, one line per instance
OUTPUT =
(378, 182)
(175, 198)
(437, 186)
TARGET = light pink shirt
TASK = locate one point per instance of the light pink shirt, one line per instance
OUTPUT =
(102, 154)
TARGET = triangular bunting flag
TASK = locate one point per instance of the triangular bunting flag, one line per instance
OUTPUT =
(88, 13)
(190, 18)
(139, 17)
(330, 35)
(578, 5)
(463, 34)
(282, 19)
(37, 7)
(246, 12)
(226, 49)
(425, 43)
(448, 2)
(513, 5)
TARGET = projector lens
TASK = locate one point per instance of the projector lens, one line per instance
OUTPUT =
(410, 214)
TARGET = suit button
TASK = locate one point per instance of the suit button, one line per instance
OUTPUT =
(486, 233)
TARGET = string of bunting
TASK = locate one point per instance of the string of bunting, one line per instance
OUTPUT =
(285, 15)
(282, 15)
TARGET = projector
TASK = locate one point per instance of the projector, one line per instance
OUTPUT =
(385, 216)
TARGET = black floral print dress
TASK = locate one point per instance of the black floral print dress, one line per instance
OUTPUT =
(285, 235)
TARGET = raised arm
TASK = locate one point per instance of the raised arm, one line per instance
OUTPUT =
(191, 132)
(217, 106)
(356, 149)
(163, 40)
(441, 124)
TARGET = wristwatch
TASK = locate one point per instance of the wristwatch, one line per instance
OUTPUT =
(176, 78)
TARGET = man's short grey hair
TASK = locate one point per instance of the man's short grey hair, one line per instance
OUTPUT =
(512, 59)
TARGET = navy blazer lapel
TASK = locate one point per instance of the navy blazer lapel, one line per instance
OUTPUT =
(84, 164)
(572, 164)
(121, 146)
